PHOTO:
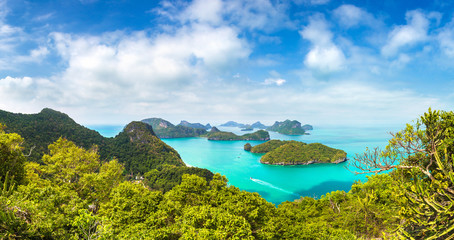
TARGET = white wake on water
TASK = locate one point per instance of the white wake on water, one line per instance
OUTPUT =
(272, 186)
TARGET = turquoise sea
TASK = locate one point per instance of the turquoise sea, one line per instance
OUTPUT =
(278, 183)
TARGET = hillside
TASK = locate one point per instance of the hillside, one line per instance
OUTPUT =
(165, 129)
(299, 153)
(288, 127)
(137, 147)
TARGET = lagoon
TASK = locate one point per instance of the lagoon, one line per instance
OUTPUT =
(280, 183)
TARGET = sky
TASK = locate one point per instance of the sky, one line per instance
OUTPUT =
(321, 62)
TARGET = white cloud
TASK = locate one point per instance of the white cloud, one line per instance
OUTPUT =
(277, 81)
(262, 15)
(407, 35)
(324, 55)
(325, 58)
(139, 67)
(351, 16)
(446, 39)
(205, 11)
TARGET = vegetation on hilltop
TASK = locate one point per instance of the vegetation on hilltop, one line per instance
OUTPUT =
(288, 127)
(268, 146)
(42, 129)
(137, 147)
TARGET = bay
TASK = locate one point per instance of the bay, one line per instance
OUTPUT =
(279, 183)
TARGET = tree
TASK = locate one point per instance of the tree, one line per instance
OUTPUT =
(421, 156)
(12, 160)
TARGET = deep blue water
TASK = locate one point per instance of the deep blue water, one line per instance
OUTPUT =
(278, 183)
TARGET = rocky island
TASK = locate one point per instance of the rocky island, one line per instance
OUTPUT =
(297, 153)
(165, 129)
(194, 125)
(288, 127)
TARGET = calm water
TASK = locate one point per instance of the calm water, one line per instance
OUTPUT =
(278, 183)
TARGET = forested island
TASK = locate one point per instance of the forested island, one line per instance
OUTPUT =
(72, 192)
(165, 129)
(215, 134)
(297, 153)
(288, 127)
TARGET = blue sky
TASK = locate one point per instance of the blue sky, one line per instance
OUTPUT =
(321, 62)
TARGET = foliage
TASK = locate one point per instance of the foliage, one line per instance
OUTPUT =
(294, 152)
(11, 158)
(288, 127)
(167, 177)
(422, 156)
(42, 129)
(141, 150)
(269, 146)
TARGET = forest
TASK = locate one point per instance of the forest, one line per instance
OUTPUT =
(72, 193)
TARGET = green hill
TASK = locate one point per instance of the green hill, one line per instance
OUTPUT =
(165, 129)
(299, 153)
(137, 147)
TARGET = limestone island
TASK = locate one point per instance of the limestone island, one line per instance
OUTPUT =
(215, 134)
(288, 127)
(296, 153)
(165, 129)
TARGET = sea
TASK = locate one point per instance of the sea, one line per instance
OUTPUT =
(279, 183)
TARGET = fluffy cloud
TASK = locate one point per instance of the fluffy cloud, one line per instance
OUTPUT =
(116, 65)
(324, 55)
(407, 35)
(204, 11)
(351, 16)
(264, 15)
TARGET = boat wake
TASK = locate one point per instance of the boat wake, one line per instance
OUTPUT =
(267, 184)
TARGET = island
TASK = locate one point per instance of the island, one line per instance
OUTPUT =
(297, 153)
(288, 127)
(194, 125)
(247, 128)
(233, 124)
(260, 135)
(258, 125)
(165, 129)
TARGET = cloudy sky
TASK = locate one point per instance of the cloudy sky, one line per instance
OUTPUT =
(316, 61)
